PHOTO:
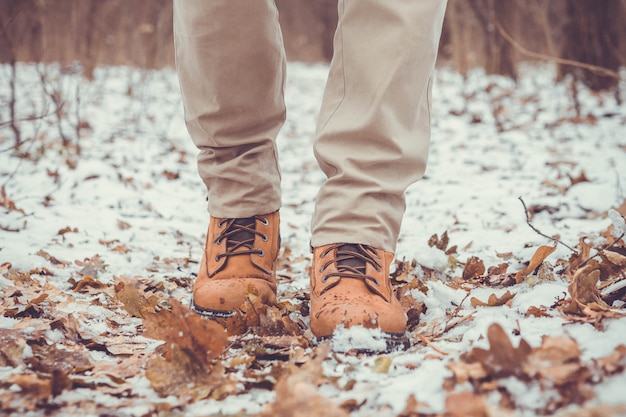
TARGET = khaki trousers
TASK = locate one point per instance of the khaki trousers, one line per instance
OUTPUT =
(373, 129)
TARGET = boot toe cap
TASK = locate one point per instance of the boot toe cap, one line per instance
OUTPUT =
(229, 295)
(371, 314)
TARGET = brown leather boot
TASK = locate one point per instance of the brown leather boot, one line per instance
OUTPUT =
(350, 286)
(240, 255)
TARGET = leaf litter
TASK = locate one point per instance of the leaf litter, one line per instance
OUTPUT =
(503, 320)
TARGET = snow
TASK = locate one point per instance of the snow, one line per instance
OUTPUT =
(476, 174)
(619, 223)
(358, 338)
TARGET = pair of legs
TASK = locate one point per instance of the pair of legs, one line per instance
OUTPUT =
(371, 142)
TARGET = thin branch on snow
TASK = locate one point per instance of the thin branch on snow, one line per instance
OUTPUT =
(543, 234)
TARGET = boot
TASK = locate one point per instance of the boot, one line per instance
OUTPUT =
(350, 286)
(239, 257)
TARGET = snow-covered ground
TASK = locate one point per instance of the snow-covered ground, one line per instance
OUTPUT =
(133, 197)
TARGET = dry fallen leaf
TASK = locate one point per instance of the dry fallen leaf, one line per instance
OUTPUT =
(501, 359)
(536, 312)
(493, 300)
(465, 404)
(474, 268)
(540, 255)
(12, 344)
(134, 300)
(297, 394)
(584, 291)
(69, 360)
(32, 385)
(182, 376)
(556, 360)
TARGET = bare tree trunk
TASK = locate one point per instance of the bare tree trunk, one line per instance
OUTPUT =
(8, 15)
(592, 36)
(456, 22)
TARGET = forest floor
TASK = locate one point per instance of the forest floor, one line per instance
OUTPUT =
(510, 263)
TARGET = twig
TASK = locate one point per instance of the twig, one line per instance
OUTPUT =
(602, 250)
(590, 67)
(37, 126)
(59, 103)
(8, 229)
(429, 343)
(542, 234)
(27, 119)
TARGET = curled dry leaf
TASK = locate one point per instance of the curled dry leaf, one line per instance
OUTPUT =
(556, 360)
(556, 364)
(402, 273)
(197, 337)
(466, 404)
(67, 230)
(536, 312)
(32, 385)
(52, 259)
(12, 345)
(48, 358)
(466, 371)
(493, 300)
(615, 257)
(191, 343)
(540, 255)
(584, 291)
(91, 266)
(439, 243)
(266, 320)
(615, 362)
(297, 394)
(412, 408)
(582, 177)
(474, 268)
(499, 269)
(133, 298)
(501, 359)
(182, 376)
(613, 263)
(86, 283)
(413, 310)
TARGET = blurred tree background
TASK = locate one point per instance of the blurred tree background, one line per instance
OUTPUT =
(586, 38)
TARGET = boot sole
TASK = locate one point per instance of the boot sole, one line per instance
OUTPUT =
(218, 314)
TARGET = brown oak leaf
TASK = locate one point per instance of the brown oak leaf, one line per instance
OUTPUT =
(493, 300)
(474, 268)
(540, 255)
(501, 359)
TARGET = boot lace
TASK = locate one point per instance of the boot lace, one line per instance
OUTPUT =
(352, 262)
(239, 235)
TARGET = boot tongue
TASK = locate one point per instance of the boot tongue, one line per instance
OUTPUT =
(351, 262)
(241, 235)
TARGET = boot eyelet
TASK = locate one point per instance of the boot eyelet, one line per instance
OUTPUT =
(377, 283)
(261, 252)
(324, 279)
(217, 258)
(220, 224)
(218, 241)
(264, 237)
(265, 221)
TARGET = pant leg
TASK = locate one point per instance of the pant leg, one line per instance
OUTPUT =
(231, 65)
(374, 125)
